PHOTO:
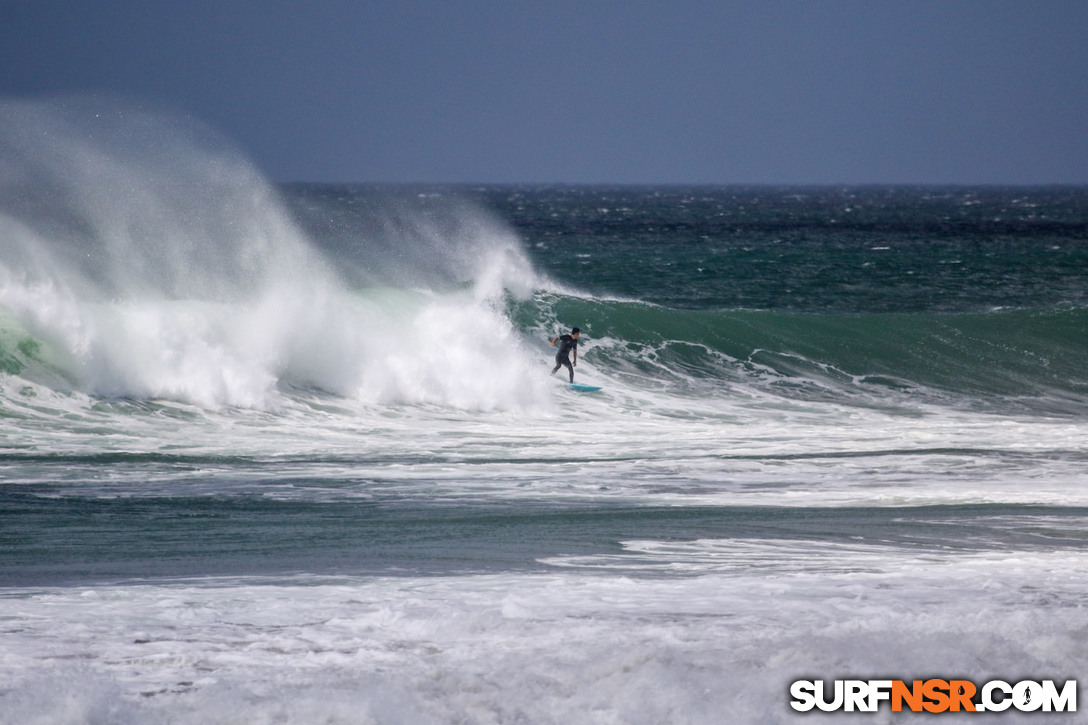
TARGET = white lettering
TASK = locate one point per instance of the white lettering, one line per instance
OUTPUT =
(821, 701)
(879, 690)
(804, 695)
(994, 696)
(856, 695)
(1027, 696)
(988, 696)
(1065, 701)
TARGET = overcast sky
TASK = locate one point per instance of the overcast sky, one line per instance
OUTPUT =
(588, 91)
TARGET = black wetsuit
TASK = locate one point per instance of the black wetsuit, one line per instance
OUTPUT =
(566, 344)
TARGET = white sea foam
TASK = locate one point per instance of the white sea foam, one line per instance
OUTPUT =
(207, 349)
(164, 267)
(561, 647)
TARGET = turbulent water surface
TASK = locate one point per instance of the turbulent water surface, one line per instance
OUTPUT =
(293, 454)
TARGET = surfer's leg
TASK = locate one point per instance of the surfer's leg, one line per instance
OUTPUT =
(560, 361)
(570, 368)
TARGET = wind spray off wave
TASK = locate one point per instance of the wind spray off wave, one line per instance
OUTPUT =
(143, 257)
(304, 470)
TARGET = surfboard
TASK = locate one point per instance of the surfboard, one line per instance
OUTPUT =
(583, 388)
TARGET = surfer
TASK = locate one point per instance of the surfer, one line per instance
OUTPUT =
(567, 343)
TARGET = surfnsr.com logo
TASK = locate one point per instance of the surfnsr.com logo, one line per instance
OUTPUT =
(933, 695)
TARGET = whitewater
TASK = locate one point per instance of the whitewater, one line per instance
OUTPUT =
(292, 453)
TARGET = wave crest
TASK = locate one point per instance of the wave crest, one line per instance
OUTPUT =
(153, 261)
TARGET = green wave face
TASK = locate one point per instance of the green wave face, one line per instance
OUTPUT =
(1000, 354)
(21, 352)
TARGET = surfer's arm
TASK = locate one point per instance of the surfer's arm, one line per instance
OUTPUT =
(554, 340)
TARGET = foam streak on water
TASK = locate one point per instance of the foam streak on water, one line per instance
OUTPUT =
(546, 648)
(293, 455)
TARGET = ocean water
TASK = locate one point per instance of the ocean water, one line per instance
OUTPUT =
(292, 453)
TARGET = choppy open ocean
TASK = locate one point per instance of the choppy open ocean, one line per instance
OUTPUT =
(292, 454)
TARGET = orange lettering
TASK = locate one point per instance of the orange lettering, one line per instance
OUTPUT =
(962, 691)
(934, 691)
(912, 695)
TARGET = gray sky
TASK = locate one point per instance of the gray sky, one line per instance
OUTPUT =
(588, 91)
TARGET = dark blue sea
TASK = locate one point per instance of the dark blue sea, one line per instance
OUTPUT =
(292, 453)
